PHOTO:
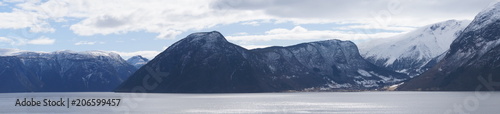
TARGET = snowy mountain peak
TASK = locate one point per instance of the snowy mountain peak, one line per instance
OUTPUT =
(70, 54)
(473, 57)
(138, 61)
(208, 40)
(489, 15)
(66, 70)
(335, 42)
(137, 58)
(208, 37)
(474, 41)
(413, 49)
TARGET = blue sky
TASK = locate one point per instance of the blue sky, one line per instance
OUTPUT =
(132, 27)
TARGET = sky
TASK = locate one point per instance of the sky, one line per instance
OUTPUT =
(147, 27)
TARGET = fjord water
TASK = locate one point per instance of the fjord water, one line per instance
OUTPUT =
(313, 102)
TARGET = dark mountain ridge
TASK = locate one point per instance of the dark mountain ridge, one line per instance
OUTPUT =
(63, 71)
(207, 62)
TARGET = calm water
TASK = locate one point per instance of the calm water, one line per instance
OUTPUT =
(334, 102)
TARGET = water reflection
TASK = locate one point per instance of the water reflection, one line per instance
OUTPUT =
(336, 102)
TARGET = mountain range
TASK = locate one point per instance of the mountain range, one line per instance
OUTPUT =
(63, 71)
(206, 62)
(137, 61)
(411, 52)
(472, 62)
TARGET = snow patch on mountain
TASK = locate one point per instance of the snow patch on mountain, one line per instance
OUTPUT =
(364, 73)
(405, 53)
(473, 55)
(66, 70)
(487, 16)
(137, 61)
(10, 52)
(426, 42)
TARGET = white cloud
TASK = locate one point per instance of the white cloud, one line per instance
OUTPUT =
(168, 34)
(22, 19)
(9, 52)
(254, 46)
(13, 1)
(252, 23)
(42, 41)
(169, 18)
(240, 33)
(87, 43)
(390, 28)
(296, 29)
(22, 41)
(84, 43)
(5, 40)
(404, 12)
(147, 54)
(300, 33)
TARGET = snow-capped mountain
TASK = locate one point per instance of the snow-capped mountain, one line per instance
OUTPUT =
(473, 61)
(137, 61)
(63, 71)
(409, 52)
(207, 62)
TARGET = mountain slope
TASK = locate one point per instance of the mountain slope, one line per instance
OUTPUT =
(64, 71)
(472, 62)
(409, 52)
(137, 61)
(15, 77)
(336, 61)
(207, 62)
(201, 62)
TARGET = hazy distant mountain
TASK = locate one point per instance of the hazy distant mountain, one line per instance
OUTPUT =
(207, 62)
(63, 71)
(137, 61)
(408, 53)
(473, 61)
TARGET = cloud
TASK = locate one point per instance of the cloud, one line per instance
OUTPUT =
(21, 19)
(22, 41)
(300, 33)
(42, 41)
(9, 52)
(5, 40)
(168, 34)
(169, 18)
(87, 43)
(13, 1)
(252, 23)
(254, 46)
(84, 43)
(400, 11)
(296, 29)
(240, 33)
(147, 54)
(387, 28)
